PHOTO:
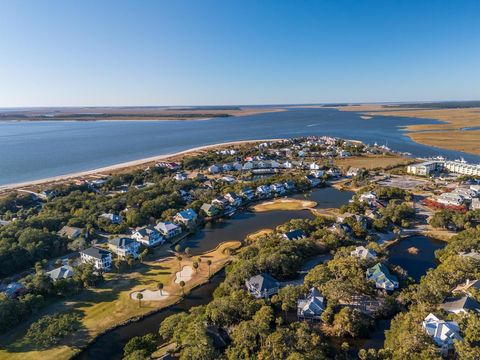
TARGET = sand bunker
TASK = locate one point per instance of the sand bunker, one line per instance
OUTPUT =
(184, 275)
(149, 295)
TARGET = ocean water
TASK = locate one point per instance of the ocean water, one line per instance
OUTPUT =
(36, 150)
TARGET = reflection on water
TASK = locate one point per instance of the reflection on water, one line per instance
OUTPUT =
(415, 264)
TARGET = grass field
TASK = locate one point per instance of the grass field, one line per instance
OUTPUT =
(372, 162)
(284, 204)
(110, 304)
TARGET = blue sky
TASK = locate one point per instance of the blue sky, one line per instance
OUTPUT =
(175, 52)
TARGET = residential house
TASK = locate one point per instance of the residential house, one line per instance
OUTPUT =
(248, 165)
(237, 166)
(13, 290)
(113, 218)
(214, 169)
(148, 236)
(227, 167)
(473, 254)
(464, 304)
(297, 234)
(382, 277)
(368, 197)
(233, 199)
(364, 253)
(124, 246)
(314, 166)
(289, 185)
(100, 258)
(168, 229)
(442, 332)
(62, 272)
(70, 232)
(263, 191)
(312, 180)
(210, 210)
(353, 171)
(317, 173)
(229, 179)
(262, 286)
(187, 217)
(333, 173)
(220, 201)
(278, 188)
(312, 307)
(469, 287)
(181, 176)
(247, 193)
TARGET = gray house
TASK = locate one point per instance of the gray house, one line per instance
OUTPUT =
(312, 307)
(262, 286)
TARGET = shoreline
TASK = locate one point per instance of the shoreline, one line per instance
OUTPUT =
(123, 166)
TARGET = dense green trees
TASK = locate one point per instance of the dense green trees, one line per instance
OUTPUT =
(50, 329)
(140, 347)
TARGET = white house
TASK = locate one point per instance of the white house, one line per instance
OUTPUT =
(124, 246)
(353, 171)
(113, 218)
(233, 199)
(263, 190)
(278, 188)
(100, 258)
(314, 166)
(168, 229)
(312, 307)
(368, 197)
(442, 332)
(148, 236)
(180, 176)
(364, 253)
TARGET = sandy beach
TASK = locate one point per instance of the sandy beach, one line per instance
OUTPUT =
(125, 166)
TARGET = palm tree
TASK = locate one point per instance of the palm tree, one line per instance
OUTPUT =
(160, 288)
(179, 258)
(195, 266)
(182, 284)
(187, 251)
(177, 248)
(143, 254)
(117, 262)
(139, 297)
(209, 262)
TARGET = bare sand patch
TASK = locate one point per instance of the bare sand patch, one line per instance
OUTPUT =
(149, 295)
(184, 275)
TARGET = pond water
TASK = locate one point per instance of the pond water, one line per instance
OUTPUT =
(416, 265)
(244, 223)
(110, 345)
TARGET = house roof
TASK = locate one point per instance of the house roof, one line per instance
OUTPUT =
(263, 282)
(363, 253)
(146, 230)
(295, 234)
(69, 231)
(121, 241)
(380, 273)
(166, 226)
(313, 305)
(96, 252)
(62, 272)
(187, 214)
(463, 303)
(443, 332)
